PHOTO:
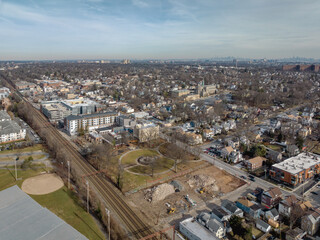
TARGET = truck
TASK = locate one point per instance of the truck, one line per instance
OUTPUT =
(192, 202)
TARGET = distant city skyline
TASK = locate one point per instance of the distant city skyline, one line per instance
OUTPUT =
(158, 29)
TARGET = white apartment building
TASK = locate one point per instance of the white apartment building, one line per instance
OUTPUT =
(73, 124)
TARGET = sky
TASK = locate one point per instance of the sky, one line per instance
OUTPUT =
(158, 29)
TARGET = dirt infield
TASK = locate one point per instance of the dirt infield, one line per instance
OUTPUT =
(42, 184)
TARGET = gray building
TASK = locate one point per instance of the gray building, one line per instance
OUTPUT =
(55, 111)
(60, 109)
(23, 218)
(193, 230)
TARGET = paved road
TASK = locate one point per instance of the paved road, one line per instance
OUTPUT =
(235, 171)
(238, 172)
(20, 161)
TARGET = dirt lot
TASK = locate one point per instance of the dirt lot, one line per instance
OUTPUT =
(42, 184)
(215, 182)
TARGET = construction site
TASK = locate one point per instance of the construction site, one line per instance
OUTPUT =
(167, 203)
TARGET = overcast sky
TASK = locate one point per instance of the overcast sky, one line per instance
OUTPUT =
(158, 29)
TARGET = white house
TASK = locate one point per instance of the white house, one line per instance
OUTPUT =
(263, 226)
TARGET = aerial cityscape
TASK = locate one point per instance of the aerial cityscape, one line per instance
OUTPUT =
(170, 119)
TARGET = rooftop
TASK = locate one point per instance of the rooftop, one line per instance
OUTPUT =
(23, 218)
(298, 163)
(93, 115)
(197, 229)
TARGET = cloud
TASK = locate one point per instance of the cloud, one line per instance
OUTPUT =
(140, 3)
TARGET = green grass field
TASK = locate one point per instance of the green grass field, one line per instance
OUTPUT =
(65, 205)
(275, 147)
(162, 165)
(7, 176)
(131, 157)
(35, 157)
(34, 148)
(62, 202)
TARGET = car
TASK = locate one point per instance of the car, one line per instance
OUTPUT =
(252, 179)
(250, 176)
(314, 193)
(318, 186)
(243, 177)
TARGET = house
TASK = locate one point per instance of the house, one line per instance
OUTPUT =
(271, 198)
(216, 227)
(207, 133)
(272, 214)
(292, 150)
(212, 224)
(193, 138)
(235, 156)
(286, 205)
(231, 208)
(274, 155)
(225, 152)
(263, 226)
(311, 221)
(295, 234)
(255, 163)
(220, 214)
(250, 208)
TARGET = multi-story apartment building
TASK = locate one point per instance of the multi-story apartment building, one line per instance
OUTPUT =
(4, 92)
(71, 106)
(55, 111)
(10, 131)
(296, 170)
(73, 124)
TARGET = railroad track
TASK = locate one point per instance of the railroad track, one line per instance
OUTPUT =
(106, 191)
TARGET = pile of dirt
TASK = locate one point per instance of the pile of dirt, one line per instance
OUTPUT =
(202, 180)
(159, 192)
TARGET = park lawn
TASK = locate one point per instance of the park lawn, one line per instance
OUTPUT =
(7, 176)
(35, 157)
(132, 181)
(275, 147)
(131, 157)
(64, 204)
(34, 148)
(162, 165)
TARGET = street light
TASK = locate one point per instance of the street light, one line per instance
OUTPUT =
(87, 195)
(108, 213)
(68, 174)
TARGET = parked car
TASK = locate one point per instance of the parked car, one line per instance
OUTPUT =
(314, 193)
(243, 177)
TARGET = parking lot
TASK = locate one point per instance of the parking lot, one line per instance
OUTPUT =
(31, 134)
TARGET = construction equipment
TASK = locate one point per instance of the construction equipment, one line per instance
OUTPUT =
(202, 190)
(171, 210)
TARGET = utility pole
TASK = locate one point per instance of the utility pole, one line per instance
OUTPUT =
(15, 168)
(87, 195)
(109, 229)
(68, 174)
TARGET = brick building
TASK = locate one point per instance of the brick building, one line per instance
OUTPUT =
(296, 170)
